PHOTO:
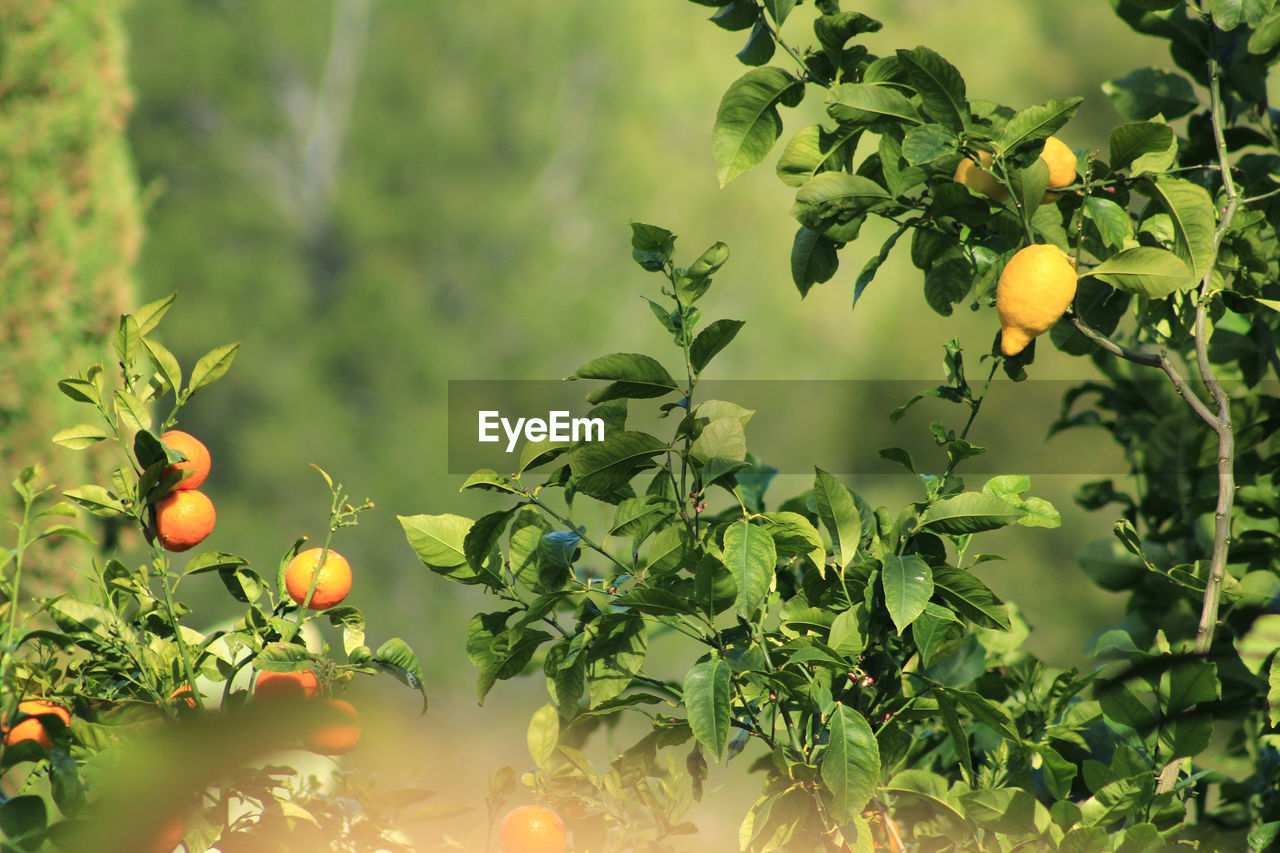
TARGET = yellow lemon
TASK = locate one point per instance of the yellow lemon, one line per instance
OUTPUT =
(1061, 161)
(1036, 287)
(979, 179)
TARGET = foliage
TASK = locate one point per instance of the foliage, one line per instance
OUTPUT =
(69, 221)
(878, 682)
(117, 653)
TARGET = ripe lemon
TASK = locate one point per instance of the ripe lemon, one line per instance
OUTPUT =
(532, 829)
(979, 179)
(1061, 161)
(183, 519)
(338, 732)
(197, 459)
(33, 727)
(286, 685)
(1037, 285)
(332, 586)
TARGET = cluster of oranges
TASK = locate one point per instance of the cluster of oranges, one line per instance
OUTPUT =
(339, 728)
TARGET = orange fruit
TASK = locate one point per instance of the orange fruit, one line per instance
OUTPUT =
(337, 732)
(532, 829)
(197, 458)
(979, 178)
(1036, 287)
(286, 685)
(334, 580)
(183, 519)
(33, 728)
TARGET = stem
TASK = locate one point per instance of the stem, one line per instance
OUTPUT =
(183, 652)
(581, 535)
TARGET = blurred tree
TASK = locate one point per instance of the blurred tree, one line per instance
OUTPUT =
(69, 215)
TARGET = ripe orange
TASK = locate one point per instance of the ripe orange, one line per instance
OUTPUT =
(286, 685)
(183, 519)
(197, 458)
(334, 578)
(338, 732)
(33, 729)
(532, 829)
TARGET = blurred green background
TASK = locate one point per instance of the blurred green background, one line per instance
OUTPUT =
(378, 196)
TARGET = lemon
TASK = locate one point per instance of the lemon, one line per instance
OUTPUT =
(979, 178)
(1036, 287)
(1061, 161)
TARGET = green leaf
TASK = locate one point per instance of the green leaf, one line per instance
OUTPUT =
(835, 197)
(1226, 13)
(847, 635)
(864, 103)
(640, 516)
(1110, 565)
(1134, 140)
(635, 375)
(706, 696)
(813, 149)
(947, 284)
(908, 586)
(655, 601)
(813, 259)
(1266, 35)
(543, 734)
(1273, 693)
(149, 316)
(1150, 92)
(1120, 705)
(126, 341)
(721, 447)
(165, 364)
(711, 340)
(1111, 220)
(869, 270)
(834, 29)
(1188, 684)
(839, 514)
(79, 437)
(940, 86)
(971, 597)
(760, 45)
(651, 246)
(96, 500)
(283, 657)
(1258, 643)
(709, 262)
(616, 654)
(751, 556)
(438, 542)
(793, 535)
(211, 367)
(747, 122)
(1262, 837)
(669, 549)
(21, 816)
(928, 143)
(600, 468)
(395, 657)
(932, 628)
(1035, 124)
(851, 763)
(1192, 215)
(132, 412)
(969, 512)
(779, 9)
(1146, 271)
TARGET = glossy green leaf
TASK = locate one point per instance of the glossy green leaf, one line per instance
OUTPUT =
(940, 86)
(711, 340)
(908, 586)
(969, 512)
(834, 197)
(543, 734)
(644, 374)
(1146, 271)
(1134, 140)
(1111, 220)
(79, 437)
(616, 654)
(438, 542)
(813, 149)
(211, 367)
(813, 259)
(1193, 218)
(928, 143)
(600, 468)
(1150, 92)
(850, 766)
(747, 122)
(839, 514)
(1035, 124)
(751, 557)
(706, 696)
(721, 447)
(863, 103)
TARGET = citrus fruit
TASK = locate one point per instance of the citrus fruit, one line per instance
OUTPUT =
(183, 519)
(167, 836)
(334, 580)
(1036, 287)
(532, 829)
(197, 458)
(979, 178)
(286, 685)
(33, 728)
(1061, 161)
(338, 730)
